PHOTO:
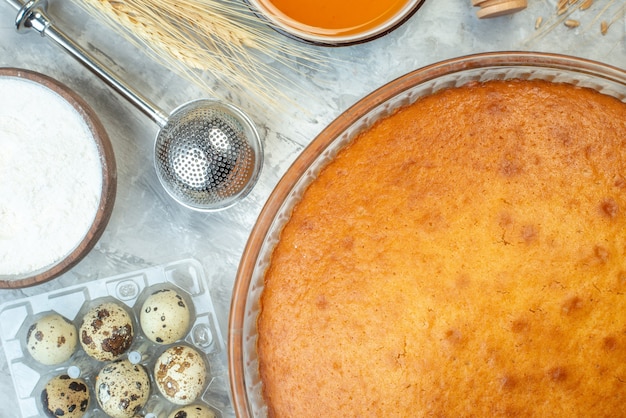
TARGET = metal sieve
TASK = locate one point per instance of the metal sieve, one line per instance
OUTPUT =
(207, 154)
(204, 155)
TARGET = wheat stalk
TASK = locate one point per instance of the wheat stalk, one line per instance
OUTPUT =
(196, 37)
(565, 9)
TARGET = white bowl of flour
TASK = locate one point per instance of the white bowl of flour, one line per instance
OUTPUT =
(57, 178)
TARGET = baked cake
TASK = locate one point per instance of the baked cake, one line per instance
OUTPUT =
(464, 257)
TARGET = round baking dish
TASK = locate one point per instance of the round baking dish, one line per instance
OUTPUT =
(245, 381)
(108, 182)
(300, 25)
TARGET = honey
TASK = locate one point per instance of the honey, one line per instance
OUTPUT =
(332, 17)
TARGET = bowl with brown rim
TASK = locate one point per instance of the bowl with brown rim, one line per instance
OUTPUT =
(106, 194)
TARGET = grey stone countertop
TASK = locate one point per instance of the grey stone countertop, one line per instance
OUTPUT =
(148, 228)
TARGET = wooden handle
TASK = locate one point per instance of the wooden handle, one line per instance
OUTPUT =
(495, 8)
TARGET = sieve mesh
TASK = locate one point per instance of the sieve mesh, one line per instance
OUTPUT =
(206, 155)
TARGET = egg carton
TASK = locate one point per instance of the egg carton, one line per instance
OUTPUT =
(186, 276)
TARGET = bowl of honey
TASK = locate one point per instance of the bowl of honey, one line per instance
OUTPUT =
(335, 23)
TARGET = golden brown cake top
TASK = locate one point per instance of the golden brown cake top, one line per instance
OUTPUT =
(463, 257)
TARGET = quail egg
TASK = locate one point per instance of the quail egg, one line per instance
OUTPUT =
(65, 397)
(106, 331)
(165, 316)
(52, 339)
(180, 374)
(193, 411)
(122, 388)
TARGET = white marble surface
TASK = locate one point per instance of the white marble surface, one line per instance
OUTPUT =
(148, 228)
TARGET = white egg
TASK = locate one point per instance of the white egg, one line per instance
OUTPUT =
(192, 411)
(66, 397)
(165, 316)
(122, 388)
(180, 374)
(106, 331)
(52, 339)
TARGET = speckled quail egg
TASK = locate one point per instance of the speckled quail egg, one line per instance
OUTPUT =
(122, 388)
(106, 331)
(65, 397)
(52, 339)
(165, 316)
(180, 374)
(193, 411)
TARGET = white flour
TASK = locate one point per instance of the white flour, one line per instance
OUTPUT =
(50, 177)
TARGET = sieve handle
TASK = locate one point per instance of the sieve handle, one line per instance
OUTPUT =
(32, 15)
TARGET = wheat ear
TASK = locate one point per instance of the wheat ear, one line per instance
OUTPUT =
(196, 37)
